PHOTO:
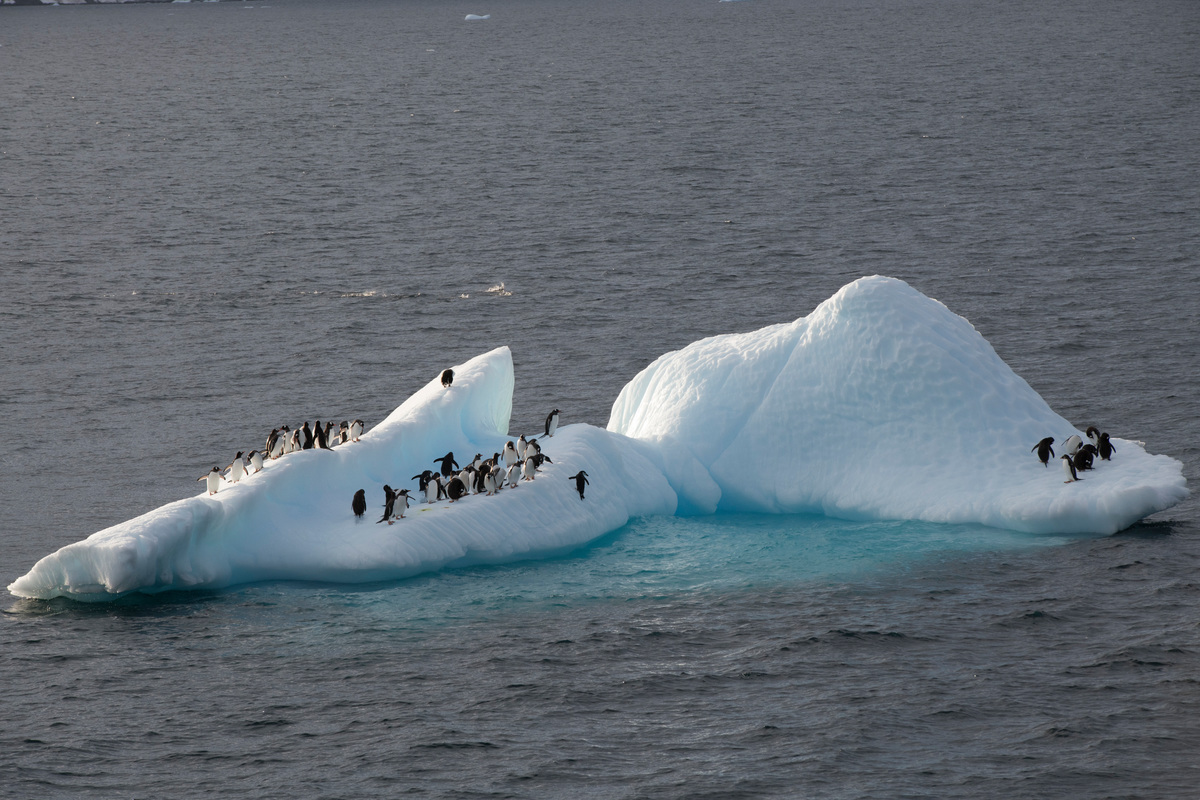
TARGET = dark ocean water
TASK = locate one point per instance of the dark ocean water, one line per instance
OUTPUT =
(219, 216)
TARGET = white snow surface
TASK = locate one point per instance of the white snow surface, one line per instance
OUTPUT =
(293, 521)
(880, 404)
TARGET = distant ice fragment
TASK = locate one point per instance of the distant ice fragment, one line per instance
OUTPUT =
(477, 16)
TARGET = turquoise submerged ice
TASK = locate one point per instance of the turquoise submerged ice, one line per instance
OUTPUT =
(881, 404)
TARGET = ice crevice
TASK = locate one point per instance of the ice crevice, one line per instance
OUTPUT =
(880, 404)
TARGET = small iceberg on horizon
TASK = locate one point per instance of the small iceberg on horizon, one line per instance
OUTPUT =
(881, 404)
(471, 17)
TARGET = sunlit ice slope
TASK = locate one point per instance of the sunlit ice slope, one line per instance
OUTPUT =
(880, 404)
(293, 519)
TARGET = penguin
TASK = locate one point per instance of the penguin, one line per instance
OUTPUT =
(522, 447)
(447, 378)
(533, 449)
(279, 446)
(422, 480)
(272, 438)
(1044, 451)
(448, 464)
(528, 470)
(512, 475)
(481, 482)
(308, 437)
(359, 504)
(581, 480)
(356, 429)
(214, 480)
(433, 489)
(477, 461)
(1069, 469)
(552, 424)
(1072, 444)
(489, 483)
(1083, 459)
(343, 432)
(324, 439)
(1093, 435)
(401, 502)
(510, 454)
(539, 458)
(455, 489)
(236, 469)
(256, 460)
(389, 502)
(1106, 448)
(467, 476)
(294, 443)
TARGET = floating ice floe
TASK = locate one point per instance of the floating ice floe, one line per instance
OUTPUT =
(880, 404)
(471, 17)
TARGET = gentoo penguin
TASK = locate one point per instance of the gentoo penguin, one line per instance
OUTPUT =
(433, 489)
(455, 489)
(448, 464)
(552, 424)
(1072, 444)
(295, 443)
(489, 483)
(512, 476)
(538, 459)
(214, 480)
(356, 429)
(510, 454)
(359, 503)
(325, 445)
(528, 470)
(1044, 450)
(321, 435)
(480, 486)
(343, 432)
(1083, 459)
(580, 479)
(1093, 435)
(279, 446)
(401, 502)
(1105, 447)
(447, 378)
(237, 469)
(256, 460)
(533, 449)
(467, 476)
(522, 447)
(422, 480)
(1069, 468)
(308, 437)
(272, 438)
(389, 502)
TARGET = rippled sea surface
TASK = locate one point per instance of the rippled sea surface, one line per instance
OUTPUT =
(218, 216)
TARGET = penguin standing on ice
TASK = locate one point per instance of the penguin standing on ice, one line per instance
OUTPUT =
(510, 454)
(401, 502)
(359, 503)
(343, 432)
(581, 480)
(522, 447)
(389, 503)
(308, 437)
(294, 442)
(272, 438)
(552, 424)
(447, 378)
(356, 430)
(1106, 448)
(1044, 451)
(455, 489)
(1093, 435)
(1069, 469)
(1072, 444)
(512, 476)
(448, 464)
(214, 480)
(528, 470)
(256, 460)
(1083, 459)
(236, 469)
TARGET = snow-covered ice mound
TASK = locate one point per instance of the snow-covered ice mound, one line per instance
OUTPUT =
(880, 404)
(293, 520)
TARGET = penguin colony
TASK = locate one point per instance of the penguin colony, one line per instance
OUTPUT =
(280, 442)
(1077, 456)
(519, 461)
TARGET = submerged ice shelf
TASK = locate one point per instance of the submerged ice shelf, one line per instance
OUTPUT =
(880, 404)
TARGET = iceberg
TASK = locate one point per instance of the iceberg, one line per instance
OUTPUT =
(292, 520)
(880, 404)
